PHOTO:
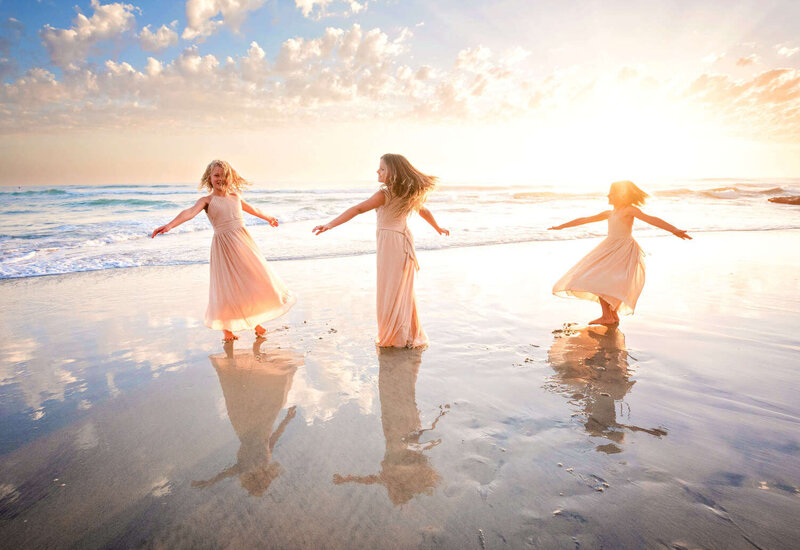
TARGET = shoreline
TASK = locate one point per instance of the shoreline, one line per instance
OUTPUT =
(419, 249)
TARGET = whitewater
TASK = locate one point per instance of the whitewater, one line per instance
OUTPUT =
(62, 229)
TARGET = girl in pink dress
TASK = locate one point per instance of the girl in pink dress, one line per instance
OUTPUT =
(244, 292)
(613, 273)
(404, 190)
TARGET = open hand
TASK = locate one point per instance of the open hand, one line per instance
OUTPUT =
(681, 234)
(272, 221)
(442, 231)
(159, 230)
(321, 229)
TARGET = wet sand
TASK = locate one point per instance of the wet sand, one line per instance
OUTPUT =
(125, 422)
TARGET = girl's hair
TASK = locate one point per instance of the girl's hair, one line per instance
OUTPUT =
(234, 181)
(629, 193)
(407, 183)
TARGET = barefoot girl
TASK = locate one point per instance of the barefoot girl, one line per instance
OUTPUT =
(613, 273)
(244, 292)
(404, 189)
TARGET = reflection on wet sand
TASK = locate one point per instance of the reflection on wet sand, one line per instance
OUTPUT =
(255, 385)
(405, 470)
(592, 370)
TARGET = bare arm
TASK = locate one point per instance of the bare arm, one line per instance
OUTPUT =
(427, 215)
(661, 224)
(259, 214)
(580, 221)
(227, 472)
(366, 480)
(289, 415)
(371, 203)
(184, 216)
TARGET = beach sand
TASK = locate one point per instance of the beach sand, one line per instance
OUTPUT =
(125, 422)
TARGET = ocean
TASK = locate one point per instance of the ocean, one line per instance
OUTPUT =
(52, 230)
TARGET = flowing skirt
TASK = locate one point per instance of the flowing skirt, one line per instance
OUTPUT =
(613, 271)
(398, 323)
(243, 291)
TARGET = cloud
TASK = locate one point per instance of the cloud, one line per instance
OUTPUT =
(712, 58)
(767, 105)
(109, 21)
(351, 68)
(355, 73)
(749, 60)
(254, 67)
(201, 16)
(316, 9)
(786, 51)
(160, 40)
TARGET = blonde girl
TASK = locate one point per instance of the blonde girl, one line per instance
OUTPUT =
(244, 291)
(404, 191)
(613, 273)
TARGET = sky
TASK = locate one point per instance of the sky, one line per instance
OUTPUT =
(304, 92)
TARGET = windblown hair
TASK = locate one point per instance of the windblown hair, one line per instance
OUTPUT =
(630, 194)
(404, 182)
(234, 181)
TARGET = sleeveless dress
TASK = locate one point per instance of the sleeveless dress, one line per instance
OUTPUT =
(243, 290)
(398, 322)
(613, 271)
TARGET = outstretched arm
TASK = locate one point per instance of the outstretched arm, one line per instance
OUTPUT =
(371, 203)
(427, 215)
(289, 415)
(366, 480)
(259, 214)
(184, 216)
(580, 221)
(227, 472)
(661, 224)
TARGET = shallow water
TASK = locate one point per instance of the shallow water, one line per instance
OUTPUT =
(126, 423)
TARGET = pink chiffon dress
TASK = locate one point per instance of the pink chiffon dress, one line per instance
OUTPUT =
(398, 322)
(613, 271)
(243, 291)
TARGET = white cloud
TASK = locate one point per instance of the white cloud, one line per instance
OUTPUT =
(473, 59)
(786, 51)
(254, 66)
(317, 9)
(160, 40)
(353, 69)
(109, 21)
(201, 16)
(712, 58)
(350, 73)
(515, 55)
(768, 103)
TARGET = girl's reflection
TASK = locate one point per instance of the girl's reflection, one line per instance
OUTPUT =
(591, 365)
(255, 385)
(405, 470)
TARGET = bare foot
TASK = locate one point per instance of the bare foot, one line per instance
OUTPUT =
(261, 332)
(604, 321)
(228, 336)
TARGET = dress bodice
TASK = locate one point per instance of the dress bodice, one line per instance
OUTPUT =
(619, 227)
(388, 218)
(225, 213)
